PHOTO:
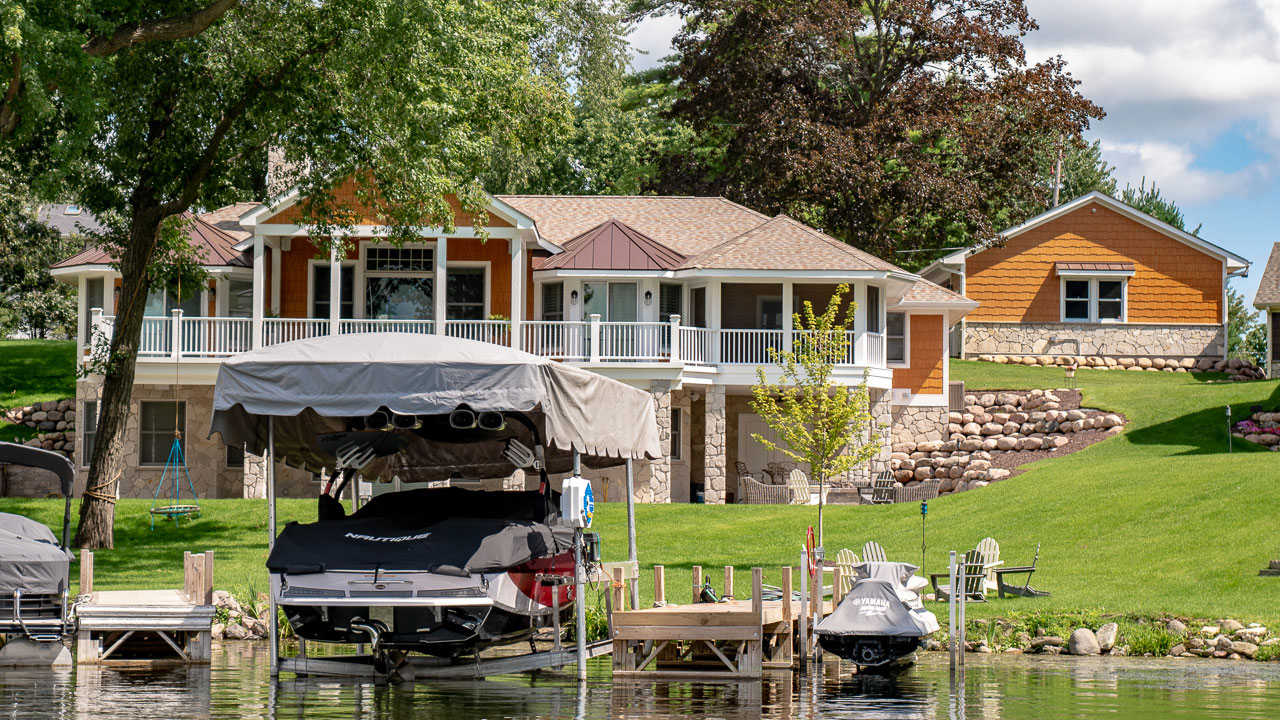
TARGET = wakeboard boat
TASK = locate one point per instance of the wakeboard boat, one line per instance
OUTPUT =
(881, 622)
(35, 571)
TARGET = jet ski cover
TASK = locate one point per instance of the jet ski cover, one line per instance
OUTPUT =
(30, 558)
(439, 530)
(873, 607)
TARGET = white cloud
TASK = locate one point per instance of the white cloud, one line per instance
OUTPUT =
(1172, 167)
(651, 40)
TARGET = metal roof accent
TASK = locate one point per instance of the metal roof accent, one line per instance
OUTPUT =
(614, 245)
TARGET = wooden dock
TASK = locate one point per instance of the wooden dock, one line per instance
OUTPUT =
(737, 639)
(147, 627)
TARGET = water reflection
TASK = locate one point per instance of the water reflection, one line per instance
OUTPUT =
(238, 685)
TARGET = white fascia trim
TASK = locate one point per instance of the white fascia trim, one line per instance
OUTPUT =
(787, 274)
(1230, 259)
(603, 274)
(78, 270)
(918, 399)
(377, 231)
(1086, 274)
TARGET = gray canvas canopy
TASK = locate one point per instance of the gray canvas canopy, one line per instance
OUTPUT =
(311, 387)
(30, 558)
(879, 604)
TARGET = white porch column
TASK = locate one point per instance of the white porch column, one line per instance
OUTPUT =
(713, 319)
(788, 308)
(517, 290)
(259, 281)
(335, 286)
(109, 294)
(221, 303)
(858, 294)
(275, 277)
(440, 285)
(84, 333)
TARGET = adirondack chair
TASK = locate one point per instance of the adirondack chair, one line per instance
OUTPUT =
(1025, 589)
(990, 550)
(872, 552)
(799, 485)
(975, 569)
(882, 489)
(845, 560)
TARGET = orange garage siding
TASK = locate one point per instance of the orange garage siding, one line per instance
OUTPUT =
(1172, 282)
(927, 354)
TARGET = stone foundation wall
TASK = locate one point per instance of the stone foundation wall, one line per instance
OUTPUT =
(918, 424)
(1275, 370)
(715, 460)
(1180, 341)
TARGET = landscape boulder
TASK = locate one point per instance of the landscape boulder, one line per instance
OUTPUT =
(1106, 636)
(1083, 642)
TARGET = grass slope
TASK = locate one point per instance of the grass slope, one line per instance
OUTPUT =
(34, 371)
(1157, 520)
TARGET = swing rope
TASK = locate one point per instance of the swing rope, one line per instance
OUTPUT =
(177, 457)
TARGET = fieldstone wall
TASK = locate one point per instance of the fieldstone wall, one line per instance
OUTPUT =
(1275, 369)
(910, 424)
(989, 425)
(1238, 369)
(53, 421)
(1107, 340)
(715, 462)
(660, 469)
(1262, 428)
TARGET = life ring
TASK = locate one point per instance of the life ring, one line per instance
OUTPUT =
(809, 547)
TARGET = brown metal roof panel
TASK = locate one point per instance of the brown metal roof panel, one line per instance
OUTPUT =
(1094, 266)
(612, 245)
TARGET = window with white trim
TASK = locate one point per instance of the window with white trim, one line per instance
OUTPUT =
(895, 339)
(1093, 299)
(677, 433)
(156, 425)
(320, 290)
(670, 301)
(873, 309)
(553, 301)
(464, 294)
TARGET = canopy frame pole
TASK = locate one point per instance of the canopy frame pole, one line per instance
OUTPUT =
(273, 627)
(631, 533)
(579, 594)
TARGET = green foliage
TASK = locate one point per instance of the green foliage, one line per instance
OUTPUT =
(1150, 201)
(1267, 653)
(36, 371)
(31, 300)
(1246, 332)
(1143, 636)
(823, 424)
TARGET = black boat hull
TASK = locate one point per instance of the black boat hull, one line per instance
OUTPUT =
(872, 651)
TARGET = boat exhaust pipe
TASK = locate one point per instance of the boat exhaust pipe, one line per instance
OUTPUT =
(369, 628)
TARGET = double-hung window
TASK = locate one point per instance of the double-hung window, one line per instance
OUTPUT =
(677, 433)
(465, 293)
(1096, 299)
(157, 424)
(896, 338)
(553, 302)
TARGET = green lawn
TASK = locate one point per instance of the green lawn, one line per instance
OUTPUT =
(34, 371)
(1157, 520)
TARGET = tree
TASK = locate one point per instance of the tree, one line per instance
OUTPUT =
(892, 124)
(31, 300)
(1246, 334)
(1150, 201)
(407, 99)
(821, 423)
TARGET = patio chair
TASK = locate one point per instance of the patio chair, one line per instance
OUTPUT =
(755, 492)
(1024, 590)
(990, 550)
(975, 569)
(883, 489)
(872, 552)
(741, 467)
(799, 485)
(845, 560)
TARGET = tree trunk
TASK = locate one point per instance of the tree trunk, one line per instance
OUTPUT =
(98, 509)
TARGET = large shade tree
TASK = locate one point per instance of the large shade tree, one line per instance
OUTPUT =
(893, 124)
(146, 110)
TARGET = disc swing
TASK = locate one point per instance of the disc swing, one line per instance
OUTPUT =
(176, 463)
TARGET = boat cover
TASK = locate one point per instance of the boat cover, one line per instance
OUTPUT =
(30, 558)
(447, 530)
(312, 386)
(879, 603)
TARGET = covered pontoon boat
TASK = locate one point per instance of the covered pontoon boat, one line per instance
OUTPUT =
(881, 622)
(35, 571)
(444, 571)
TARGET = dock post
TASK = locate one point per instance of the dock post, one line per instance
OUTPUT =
(788, 648)
(755, 649)
(728, 582)
(273, 629)
(580, 605)
(86, 572)
(818, 602)
(804, 608)
(631, 532)
(659, 586)
(617, 590)
(697, 583)
(963, 601)
(951, 612)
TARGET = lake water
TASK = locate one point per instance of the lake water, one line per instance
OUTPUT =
(238, 685)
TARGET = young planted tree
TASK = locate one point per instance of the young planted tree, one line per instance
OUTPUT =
(144, 111)
(821, 423)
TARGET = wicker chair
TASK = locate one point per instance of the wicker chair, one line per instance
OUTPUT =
(917, 492)
(755, 492)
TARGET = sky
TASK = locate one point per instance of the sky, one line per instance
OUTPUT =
(1192, 94)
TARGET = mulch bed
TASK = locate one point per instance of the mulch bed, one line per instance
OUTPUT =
(1016, 461)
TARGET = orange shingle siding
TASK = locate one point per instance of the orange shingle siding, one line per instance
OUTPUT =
(345, 194)
(1172, 282)
(927, 355)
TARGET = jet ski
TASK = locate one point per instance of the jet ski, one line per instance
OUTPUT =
(881, 622)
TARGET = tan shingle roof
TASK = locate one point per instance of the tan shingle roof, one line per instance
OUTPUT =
(786, 244)
(213, 243)
(688, 225)
(924, 291)
(1269, 285)
(227, 219)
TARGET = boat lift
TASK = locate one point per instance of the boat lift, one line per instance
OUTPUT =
(585, 416)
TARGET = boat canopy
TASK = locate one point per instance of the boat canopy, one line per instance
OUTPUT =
(313, 387)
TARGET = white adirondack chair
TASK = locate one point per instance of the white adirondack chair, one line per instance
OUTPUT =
(990, 550)
(845, 560)
(799, 485)
(872, 552)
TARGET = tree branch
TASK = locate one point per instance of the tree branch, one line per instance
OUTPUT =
(9, 118)
(170, 28)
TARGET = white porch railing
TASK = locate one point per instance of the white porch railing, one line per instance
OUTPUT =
(800, 338)
(559, 340)
(573, 341)
(280, 330)
(496, 332)
(377, 325)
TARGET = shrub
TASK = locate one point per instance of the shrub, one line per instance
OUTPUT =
(1145, 637)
